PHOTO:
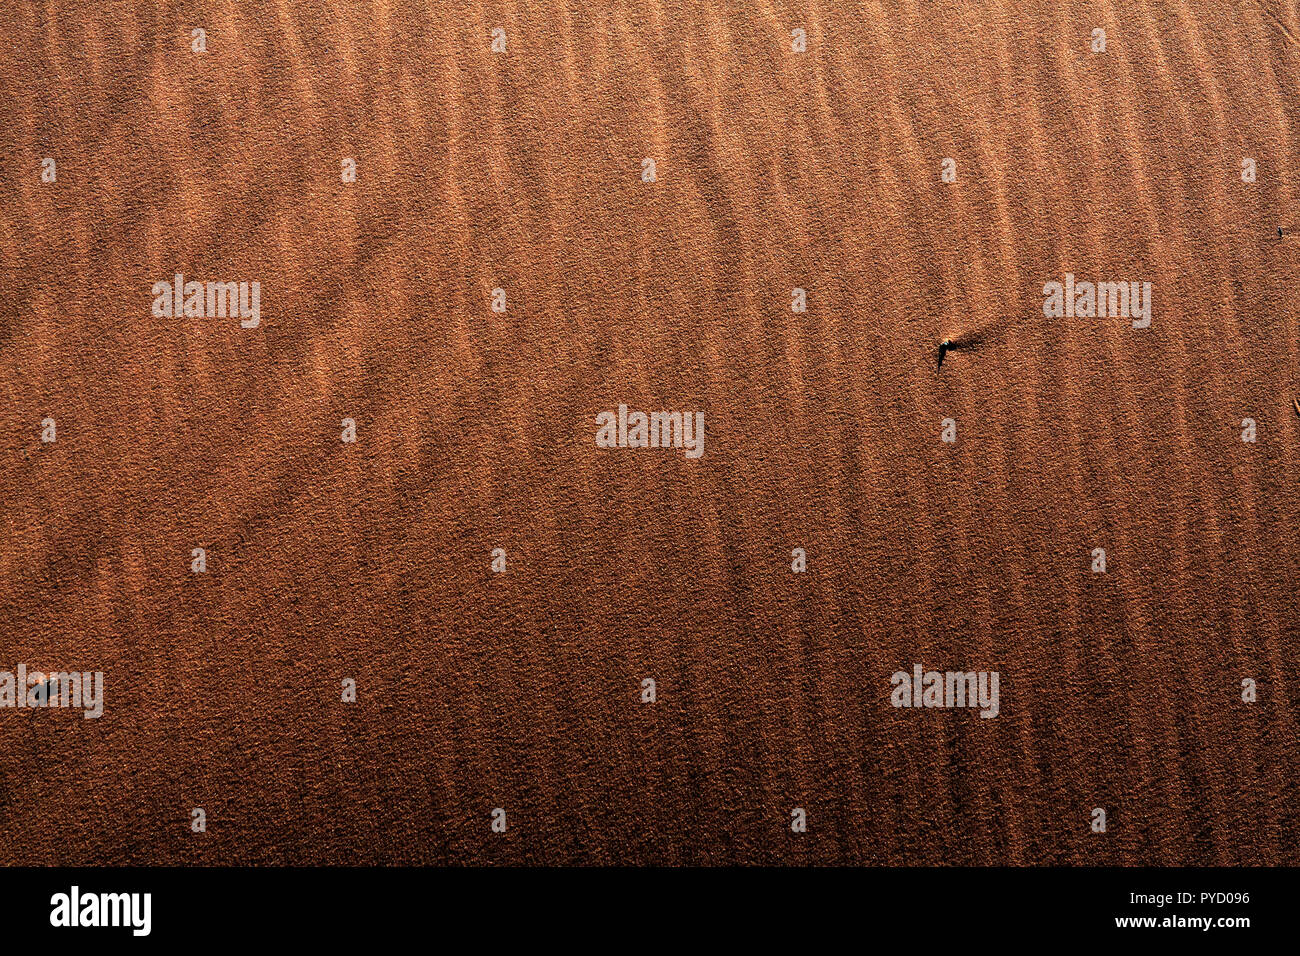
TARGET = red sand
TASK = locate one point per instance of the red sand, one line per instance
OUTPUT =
(476, 430)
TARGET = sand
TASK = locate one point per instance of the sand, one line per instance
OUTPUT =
(775, 170)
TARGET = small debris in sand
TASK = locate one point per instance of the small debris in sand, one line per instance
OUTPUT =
(40, 685)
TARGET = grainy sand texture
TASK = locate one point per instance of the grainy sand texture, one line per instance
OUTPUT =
(523, 170)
